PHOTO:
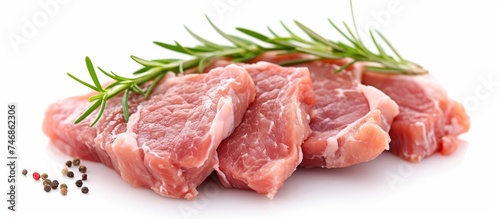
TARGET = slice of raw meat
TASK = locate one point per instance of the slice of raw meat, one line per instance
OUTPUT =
(429, 120)
(264, 150)
(169, 143)
(351, 120)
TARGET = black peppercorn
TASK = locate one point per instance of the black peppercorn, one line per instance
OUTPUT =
(47, 188)
(79, 183)
(85, 190)
(54, 184)
(47, 182)
(25, 172)
(70, 174)
(68, 163)
(84, 176)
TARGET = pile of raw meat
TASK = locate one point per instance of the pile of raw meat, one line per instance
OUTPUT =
(255, 123)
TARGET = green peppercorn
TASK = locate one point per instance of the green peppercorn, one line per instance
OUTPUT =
(64, 191)
(85, 190)
(44, 176)
(54, 184)
(68, 163)
(84, 176)
(47, 182)
(76, 161)
(70, 174)
(25, 172)
(63, 186)
(47, 188)
(79, 183)
(82, 169)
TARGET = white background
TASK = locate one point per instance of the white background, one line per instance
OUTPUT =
(457, 42)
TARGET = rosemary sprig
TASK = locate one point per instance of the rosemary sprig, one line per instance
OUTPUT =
(243, 50)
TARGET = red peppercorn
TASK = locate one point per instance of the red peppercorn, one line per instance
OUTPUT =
(36, 176)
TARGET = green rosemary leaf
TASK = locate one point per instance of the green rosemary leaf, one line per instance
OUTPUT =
(319, 53)
(201, 64)
(202, 49)
(166, 61)
(357, 42)
(254, 34)
(135, 88)
(203, 40)
(236, 42)
(297, 61)
(354, 20)
(341, 32)
(392, 47)
(188, 51)
(113, 75)
(101, 110)
(125, 105)
(383, 70)
(141, 70)
(88, 111)
(95, 97)
(171, 47)
(379, 47)
(272, 31)
(293, 35)
(146, 62)
(92, 73)
(152, 86)
(315, 36)
(343, 67)
(247, 57)
(83, 82)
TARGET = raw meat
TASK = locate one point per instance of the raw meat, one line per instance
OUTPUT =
(351, 120)
(429, 120)
(264, 150)
(169, 143)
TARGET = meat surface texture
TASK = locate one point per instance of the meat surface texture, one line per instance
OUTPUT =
(429, 121)
(351, 121)
(169, 143)
(264, 150)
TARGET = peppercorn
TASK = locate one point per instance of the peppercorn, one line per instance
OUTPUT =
(64, 191)
(64, 170)
(47, 182)
(47, 188)
(76, 161)
(70, 174)
(84, 176)
(54, 184)
(68, 163)
(25, 172)
(79, 183)
(44, 176)
(36, 176)
(63, 186)
(82, 169)
(85, 190)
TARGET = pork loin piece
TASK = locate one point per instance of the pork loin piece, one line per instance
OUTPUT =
(351, 121)
(429, 121)
(169, 143)
(264, 150)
